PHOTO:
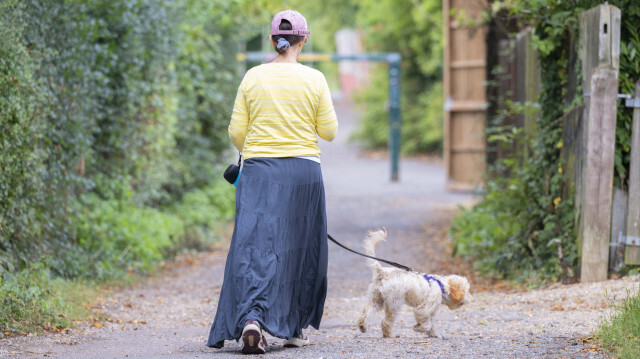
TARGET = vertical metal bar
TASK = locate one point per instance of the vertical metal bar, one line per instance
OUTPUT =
(446, 82)
(632, 253)
(395, 121)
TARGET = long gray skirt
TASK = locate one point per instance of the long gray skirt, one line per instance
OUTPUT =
(276, 269)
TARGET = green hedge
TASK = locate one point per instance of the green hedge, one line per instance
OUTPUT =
(22, 193)
(113, 117)
(113, 112)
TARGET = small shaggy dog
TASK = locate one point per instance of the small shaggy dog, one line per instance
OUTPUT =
(390, 288)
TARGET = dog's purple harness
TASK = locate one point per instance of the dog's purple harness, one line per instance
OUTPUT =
(428, 278)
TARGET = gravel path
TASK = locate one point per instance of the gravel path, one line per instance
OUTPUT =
(169, 316)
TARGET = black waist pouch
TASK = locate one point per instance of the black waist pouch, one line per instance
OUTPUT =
(232, 172)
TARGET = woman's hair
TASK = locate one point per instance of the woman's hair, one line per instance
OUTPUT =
(291, 39)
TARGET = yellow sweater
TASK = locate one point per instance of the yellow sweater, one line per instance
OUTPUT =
(279, 109)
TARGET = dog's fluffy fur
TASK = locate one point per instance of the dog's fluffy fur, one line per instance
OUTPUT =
(390, 288)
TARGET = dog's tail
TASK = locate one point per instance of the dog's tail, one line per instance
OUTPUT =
(373, 237)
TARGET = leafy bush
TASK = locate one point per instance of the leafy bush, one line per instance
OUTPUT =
(619, 333)
(134, 113)
(509, 235)
(201, 212)
(28, 301)
(115, 237)
(203, 110)
(22, 195)
(490, 231)
(88, 80)
(627, 77)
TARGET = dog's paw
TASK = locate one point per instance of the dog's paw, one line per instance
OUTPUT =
(429, 332)
(362, 328)
(420, 328)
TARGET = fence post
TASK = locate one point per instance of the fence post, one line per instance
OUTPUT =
(632, 253)
(599, 56)
(601, 137)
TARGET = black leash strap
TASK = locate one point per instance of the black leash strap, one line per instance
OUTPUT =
(374, 258)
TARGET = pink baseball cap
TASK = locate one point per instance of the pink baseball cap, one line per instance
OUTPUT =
(298, 23)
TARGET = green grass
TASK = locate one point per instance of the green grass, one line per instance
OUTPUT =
(32, 301)
(619, 333)
(78, 297)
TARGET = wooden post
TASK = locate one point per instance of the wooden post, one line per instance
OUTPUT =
(531, 80)
(599, 56)
(465, 90)
(618, 230)
(528, 84)
(572, 133)
(632, 253)
(601, 136)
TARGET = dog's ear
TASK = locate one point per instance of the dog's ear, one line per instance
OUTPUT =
(456, 289)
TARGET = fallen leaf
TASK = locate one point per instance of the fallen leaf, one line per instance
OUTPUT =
(423, 342)
(137, 322)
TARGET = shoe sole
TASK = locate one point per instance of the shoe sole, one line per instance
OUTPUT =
(252, 341)
(296, 343)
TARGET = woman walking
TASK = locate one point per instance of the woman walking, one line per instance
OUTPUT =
(275, 277)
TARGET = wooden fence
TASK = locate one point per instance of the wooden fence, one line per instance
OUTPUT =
(588, 139)
(465, 95)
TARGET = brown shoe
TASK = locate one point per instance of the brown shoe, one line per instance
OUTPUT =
(253, 342)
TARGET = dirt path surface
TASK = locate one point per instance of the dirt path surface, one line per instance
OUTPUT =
(170, 316)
